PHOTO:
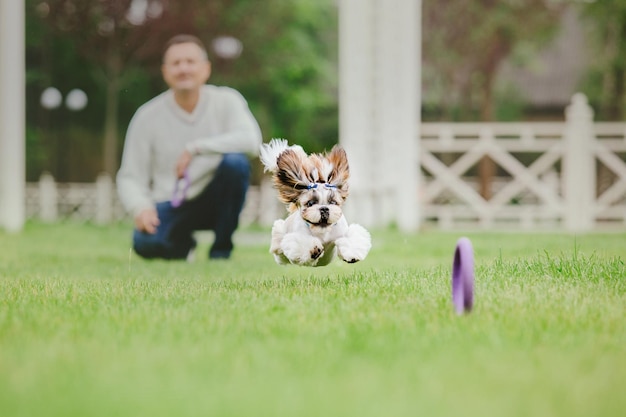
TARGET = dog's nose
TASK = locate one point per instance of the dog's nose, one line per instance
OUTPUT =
(324, 213)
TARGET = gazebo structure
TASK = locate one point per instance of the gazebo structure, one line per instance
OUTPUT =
(379, 114)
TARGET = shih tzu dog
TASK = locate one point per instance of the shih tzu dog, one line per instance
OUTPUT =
(314, 188)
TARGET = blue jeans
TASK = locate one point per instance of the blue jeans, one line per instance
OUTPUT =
(217, 208)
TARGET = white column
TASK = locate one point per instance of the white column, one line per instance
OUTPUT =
(12, 115)
(579, 169)
(356, 108)
(379, 109)
(104, 198)
(48, 198)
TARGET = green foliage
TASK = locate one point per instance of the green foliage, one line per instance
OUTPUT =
(87, 328)
(287, 70)
(606, 79)
(509, 105)
(466, 41)
(288, 67)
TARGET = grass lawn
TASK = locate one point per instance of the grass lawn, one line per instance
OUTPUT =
(89, 329)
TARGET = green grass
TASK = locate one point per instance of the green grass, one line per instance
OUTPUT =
(89, 329)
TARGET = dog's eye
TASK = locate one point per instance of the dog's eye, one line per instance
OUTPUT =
(311, 203)
(333, 202)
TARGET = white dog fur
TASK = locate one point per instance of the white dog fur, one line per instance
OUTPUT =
(314, 188)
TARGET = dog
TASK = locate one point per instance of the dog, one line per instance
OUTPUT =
(314, 188)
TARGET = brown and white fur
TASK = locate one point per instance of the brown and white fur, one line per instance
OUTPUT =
(314, 188)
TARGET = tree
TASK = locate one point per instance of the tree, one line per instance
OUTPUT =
(466, 41)
(607, 20)
(288, 68)
(109, 34)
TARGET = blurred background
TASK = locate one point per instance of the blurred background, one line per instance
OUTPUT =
(91, 63)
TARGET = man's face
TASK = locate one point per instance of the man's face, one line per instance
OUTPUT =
(185, 67)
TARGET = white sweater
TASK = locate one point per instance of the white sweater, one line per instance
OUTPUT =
(161, 130)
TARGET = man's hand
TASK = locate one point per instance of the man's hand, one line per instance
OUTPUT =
(183, 162)
(147, 221)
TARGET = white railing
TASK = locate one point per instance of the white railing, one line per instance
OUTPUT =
(49, 201)
(569, 175)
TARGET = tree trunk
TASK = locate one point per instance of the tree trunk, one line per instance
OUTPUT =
(486, 166)
(615, 107)
(113, 75)
(110, 127)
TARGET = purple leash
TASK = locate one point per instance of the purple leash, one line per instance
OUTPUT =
(180, 192)
(463, 276)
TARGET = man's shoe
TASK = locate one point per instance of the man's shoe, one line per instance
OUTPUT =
(219, 254)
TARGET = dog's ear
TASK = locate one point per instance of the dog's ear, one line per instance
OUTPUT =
(291, 176)
(340, 171)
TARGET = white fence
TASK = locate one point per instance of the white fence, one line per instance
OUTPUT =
(97, 202)
(569, 175)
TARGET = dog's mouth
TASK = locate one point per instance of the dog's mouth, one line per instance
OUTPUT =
(320, 218)
(322, 223)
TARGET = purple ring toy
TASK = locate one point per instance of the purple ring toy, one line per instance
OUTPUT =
(179, 194)
(463, 276)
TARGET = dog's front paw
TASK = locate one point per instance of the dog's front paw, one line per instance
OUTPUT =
(302, 249)
(355, 245)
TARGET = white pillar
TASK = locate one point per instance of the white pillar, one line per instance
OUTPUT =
(48, 198)
(270, 207)
(579, 169)
(356, 74)
(12, 115)
(104, 199)
(379, 109)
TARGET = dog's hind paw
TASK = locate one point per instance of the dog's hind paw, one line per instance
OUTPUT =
(316, 252)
